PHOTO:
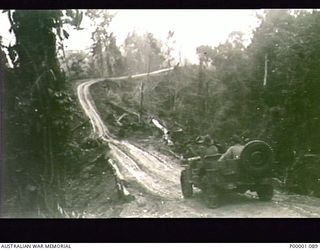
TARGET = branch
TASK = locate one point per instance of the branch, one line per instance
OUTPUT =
(79, 126)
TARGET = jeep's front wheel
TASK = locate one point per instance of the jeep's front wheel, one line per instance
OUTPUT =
(186, 185)
(265, 192)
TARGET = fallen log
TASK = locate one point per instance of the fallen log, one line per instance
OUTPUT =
(118, 121)
(124, 193)
(165, 131)
(141, 75)
(122, 109)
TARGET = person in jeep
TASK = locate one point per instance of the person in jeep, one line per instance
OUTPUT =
(234, 151)
(211, 148)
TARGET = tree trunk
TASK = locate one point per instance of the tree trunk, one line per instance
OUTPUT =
(141, 101)
(265, 70)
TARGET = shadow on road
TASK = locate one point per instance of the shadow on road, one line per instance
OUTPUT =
(227, 199)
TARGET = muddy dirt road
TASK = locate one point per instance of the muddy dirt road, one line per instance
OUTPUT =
(153, 179)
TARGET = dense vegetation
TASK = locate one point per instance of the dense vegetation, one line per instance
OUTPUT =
(40, 109)
(268, 90)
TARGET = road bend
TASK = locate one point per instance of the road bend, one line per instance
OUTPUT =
(153, 174)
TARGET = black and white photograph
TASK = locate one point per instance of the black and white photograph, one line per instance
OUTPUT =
(160, 113)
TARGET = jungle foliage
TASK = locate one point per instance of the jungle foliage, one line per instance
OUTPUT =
(40, 109)
(267, 90)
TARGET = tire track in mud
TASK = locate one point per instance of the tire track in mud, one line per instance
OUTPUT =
(162, 169)
(168, 162)
(299, 204)
(164, 178)
(154, 174)
(131, 169)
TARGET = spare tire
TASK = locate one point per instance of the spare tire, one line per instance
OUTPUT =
(256, 158)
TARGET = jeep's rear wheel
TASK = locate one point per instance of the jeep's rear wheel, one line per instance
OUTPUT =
(186, 186)
(265, 192)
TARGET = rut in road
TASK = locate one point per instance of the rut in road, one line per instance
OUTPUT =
(156, 175)
(152, 174)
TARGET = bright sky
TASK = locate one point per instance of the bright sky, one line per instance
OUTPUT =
(192, 27)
